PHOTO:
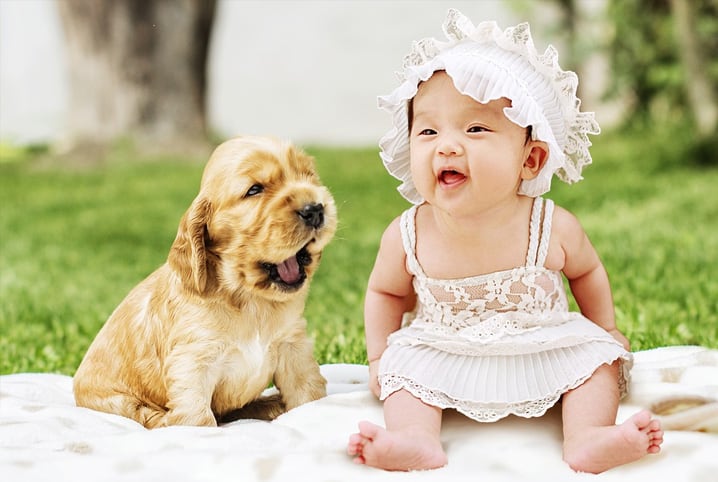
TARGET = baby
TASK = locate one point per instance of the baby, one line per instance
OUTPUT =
(465, 306)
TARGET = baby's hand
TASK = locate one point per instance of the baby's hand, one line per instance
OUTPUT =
(374, 378)
(615, 333)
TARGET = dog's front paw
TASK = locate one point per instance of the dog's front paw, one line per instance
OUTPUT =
(314, 388)
(204, 418)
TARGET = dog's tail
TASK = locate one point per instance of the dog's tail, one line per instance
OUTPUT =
(264, 408)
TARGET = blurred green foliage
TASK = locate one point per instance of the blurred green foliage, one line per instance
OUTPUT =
(645, 56)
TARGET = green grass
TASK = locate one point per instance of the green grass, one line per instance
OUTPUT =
(73, 242)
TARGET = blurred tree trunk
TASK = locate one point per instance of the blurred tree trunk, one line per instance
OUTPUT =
(699, 91)
(137, 70)
(569, 25)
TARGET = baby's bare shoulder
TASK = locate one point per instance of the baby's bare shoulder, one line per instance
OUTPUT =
(565, 224)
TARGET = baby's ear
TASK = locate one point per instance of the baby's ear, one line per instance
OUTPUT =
(535, 159)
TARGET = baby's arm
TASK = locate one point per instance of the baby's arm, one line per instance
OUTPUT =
(586, 274)
(389, 295)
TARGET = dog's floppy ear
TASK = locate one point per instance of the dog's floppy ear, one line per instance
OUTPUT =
(188, 256)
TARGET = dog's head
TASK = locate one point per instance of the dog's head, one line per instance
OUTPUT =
(259, 223)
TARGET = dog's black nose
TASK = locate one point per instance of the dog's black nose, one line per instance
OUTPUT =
(313, 215)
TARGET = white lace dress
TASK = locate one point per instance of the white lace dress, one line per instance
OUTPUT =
(496, 344)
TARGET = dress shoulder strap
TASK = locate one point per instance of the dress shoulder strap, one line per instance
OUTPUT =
(539, 232)
(545, 233)
(408, 238)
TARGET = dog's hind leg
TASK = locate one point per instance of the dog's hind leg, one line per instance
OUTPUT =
(118, 403)
(264, 408)
(151, 417)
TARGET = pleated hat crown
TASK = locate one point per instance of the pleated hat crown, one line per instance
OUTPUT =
(487, 63)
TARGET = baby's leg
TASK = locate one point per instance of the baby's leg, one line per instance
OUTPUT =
(409, 442)
(592, 441)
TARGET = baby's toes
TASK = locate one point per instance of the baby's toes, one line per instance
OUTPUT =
(655, 439)
(355, 445)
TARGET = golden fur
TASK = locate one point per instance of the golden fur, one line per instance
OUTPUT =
(203, 335)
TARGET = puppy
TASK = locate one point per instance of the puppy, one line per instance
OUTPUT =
(200, 339)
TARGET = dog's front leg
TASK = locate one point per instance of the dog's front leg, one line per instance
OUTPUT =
(297, 377)
(190, 387)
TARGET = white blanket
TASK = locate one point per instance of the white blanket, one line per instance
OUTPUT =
(45, 437)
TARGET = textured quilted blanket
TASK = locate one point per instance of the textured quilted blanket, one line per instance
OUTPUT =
(45, 437)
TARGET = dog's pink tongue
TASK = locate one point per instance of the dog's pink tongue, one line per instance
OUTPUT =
(289, 270)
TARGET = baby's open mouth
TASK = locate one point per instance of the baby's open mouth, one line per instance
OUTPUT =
(289, 274)
(451, 177)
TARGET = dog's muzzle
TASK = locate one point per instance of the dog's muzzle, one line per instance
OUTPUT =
(312, 215)
(289, 274)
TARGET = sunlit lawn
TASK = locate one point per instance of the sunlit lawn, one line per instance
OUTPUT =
(73, 242)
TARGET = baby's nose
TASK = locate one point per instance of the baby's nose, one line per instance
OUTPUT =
(449, 146)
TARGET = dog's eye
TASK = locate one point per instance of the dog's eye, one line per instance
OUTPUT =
(254, 190)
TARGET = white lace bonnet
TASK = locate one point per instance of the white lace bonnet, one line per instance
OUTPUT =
(486, 64)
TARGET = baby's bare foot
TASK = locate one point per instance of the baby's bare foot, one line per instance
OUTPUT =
(406, 450)
(603, 448)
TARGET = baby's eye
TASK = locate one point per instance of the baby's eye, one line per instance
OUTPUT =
(427, 132)
(477, 129)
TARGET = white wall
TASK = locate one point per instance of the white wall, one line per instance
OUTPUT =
(33, 90)
(307, 70)
(311, 70)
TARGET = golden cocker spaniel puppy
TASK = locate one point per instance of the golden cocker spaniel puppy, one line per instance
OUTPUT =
(200, 338)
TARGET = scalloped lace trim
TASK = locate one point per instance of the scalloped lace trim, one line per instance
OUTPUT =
(490, 412)
(481, 412)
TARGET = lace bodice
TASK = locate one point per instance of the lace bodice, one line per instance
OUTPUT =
(484, 307)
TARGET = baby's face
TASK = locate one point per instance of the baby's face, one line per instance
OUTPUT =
(464, 153)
